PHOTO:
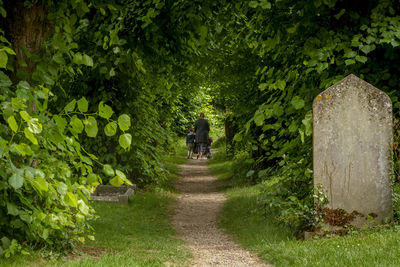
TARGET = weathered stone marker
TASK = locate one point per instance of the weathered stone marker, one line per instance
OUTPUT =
(352, 138)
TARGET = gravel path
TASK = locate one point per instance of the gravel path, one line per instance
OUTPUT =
(195, 219)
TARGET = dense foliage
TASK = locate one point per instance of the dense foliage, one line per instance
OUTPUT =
(101, 89)
(275, 58)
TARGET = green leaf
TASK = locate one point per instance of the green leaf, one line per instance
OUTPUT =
(25, 115)
(35, 126)
(92, 179)
(120, 174)
(3, 59)
(367, 48)
(123, 177)
(124, 122)
(253, 4)
(108, 170)
(297, 102)
(30, 136)
(111, 128)
(125, 140)
(116, 181)
(83, 105)
(83, 207)
(71, 199)
(307, 121)
(350, 54)
(16, 181)
(12, 123)
(349, 62)
(361, 59)
(24, 149)
(91, 126)
(76, 124)
(87, 60)
(70, 106)
(259, 118)
(61, 122)
(18, 103)
(265, 4)
(12, 209)
(4, 80)
(105, 111)
(301, 135)
(281, 84)
(78, 59)
(42, 184)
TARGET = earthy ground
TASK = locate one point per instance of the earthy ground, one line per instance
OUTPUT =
(195, 218)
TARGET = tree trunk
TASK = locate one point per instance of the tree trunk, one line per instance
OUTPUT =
(26, 26)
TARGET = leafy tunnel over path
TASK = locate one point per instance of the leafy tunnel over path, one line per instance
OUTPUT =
(73, 73)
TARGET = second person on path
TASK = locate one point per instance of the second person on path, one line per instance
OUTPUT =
(201, 127)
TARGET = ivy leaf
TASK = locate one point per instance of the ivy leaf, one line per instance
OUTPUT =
(125, 140)
(83, 105)
(91, 126)
(297, 102)
(108, 170)
(124, 122)
(16, 181)
(105, 111)
(76, 124)
(12, 123)
(367, 48)
(29, 135)
(111, 128)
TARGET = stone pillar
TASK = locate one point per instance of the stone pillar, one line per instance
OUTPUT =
(352, 139)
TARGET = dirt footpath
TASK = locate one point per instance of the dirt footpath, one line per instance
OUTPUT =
(195, 219)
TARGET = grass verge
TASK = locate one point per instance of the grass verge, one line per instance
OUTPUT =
(379, 246)
(138, 234)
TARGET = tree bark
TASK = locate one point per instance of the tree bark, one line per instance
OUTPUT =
(26, 26)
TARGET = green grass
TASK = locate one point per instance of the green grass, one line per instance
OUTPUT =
(276, 244)
(138, 234)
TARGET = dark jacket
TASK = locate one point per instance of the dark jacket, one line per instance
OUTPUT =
(190, 138)
(201, 127)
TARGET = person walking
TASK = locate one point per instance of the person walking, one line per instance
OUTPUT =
(190, 143)
(201, 127)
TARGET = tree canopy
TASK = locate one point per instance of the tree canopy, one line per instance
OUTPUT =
(95, 91)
